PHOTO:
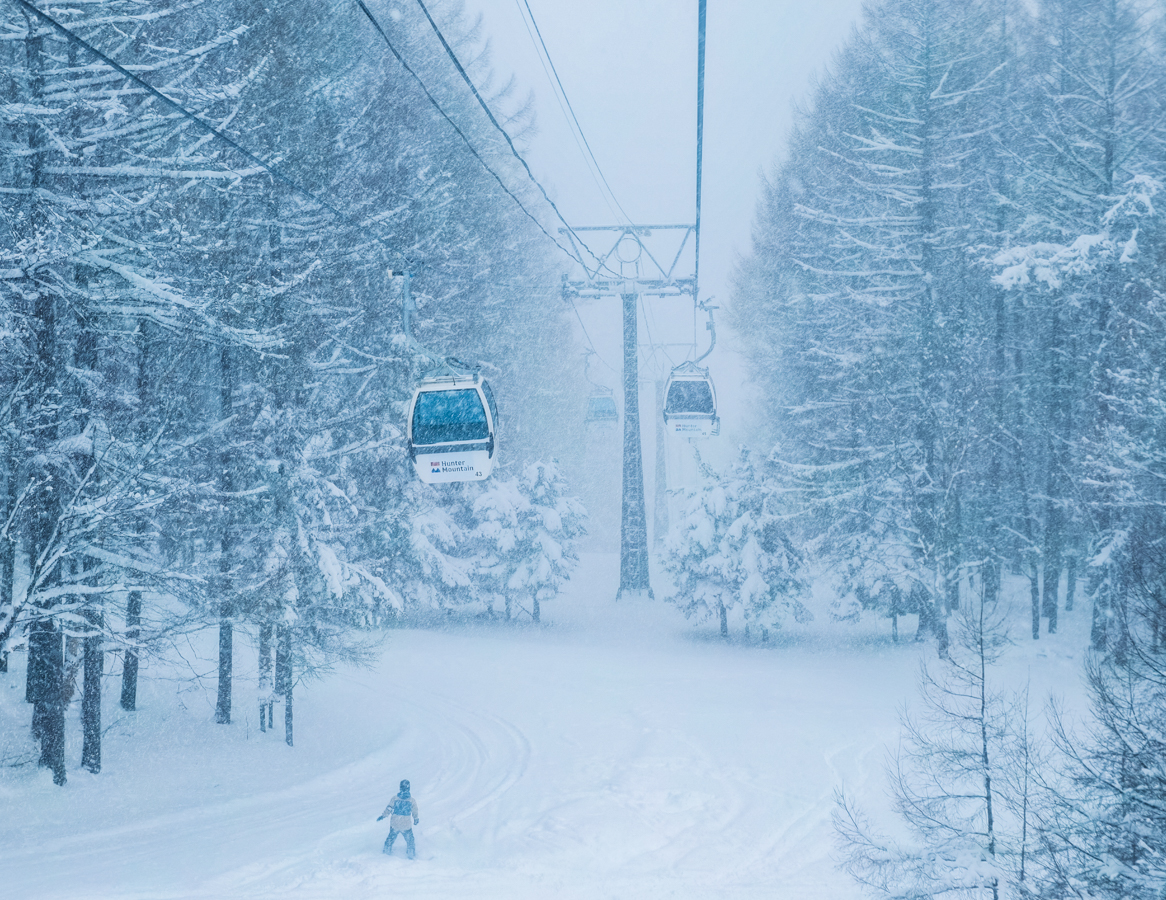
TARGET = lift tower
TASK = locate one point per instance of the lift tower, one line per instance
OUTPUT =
(627, 253)
(629, 270)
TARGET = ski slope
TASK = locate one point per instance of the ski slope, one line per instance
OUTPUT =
(613, 752)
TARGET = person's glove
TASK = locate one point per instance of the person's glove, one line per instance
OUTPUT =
(379, 818)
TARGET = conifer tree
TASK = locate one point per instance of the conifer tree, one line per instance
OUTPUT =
(728, 553)
(1103, 826)
(953, 780)
(864, 248)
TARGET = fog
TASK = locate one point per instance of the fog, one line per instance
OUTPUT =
(629, 70)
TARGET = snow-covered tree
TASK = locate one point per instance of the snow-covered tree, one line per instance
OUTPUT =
(91, 157)
(924, 418)
(960, 781)
(728, 553)
(204, 378)
(529, 541)
(860, 301)
(1103, 824)
(1119, 455)
(506, 542)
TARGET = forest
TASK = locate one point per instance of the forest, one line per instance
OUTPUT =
(952, 312)
(204, 372)
(954, 307)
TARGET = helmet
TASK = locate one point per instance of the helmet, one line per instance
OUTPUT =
(404, 785)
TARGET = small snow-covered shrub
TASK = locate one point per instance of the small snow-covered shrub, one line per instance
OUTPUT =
(728, 553)
(504, 542)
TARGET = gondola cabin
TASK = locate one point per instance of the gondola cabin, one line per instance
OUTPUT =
(690, 402)
(601, 408)
(452, 429)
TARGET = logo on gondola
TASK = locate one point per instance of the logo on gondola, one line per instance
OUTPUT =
(450, 467)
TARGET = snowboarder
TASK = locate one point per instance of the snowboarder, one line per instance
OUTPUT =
(402, 812)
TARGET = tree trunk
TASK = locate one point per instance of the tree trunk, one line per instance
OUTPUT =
(1057, 439)
(45, 690)
(724, 620)
(283, 676)
(45, 687)
(942, 639)
(990, 582)
(46, 656)
(265, 685)
(1034, 598)
(932, 618)
(226, 660)
(1051, 582)
(226, 648)
(1098, 634)
(91, 696)
(535, 613)
(287, 717)
(129, 669)
(7, 559)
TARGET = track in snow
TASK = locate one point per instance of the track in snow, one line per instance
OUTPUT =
(607, 755)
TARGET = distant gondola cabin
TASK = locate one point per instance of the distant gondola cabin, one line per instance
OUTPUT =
(690, 402)
(601, 408)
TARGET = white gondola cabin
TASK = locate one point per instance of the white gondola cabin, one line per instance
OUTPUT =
(452, 429)
(690, 402)
(601, 408)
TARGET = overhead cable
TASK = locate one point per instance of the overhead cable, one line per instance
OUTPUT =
(567, 100)
(433, 100)
(270, 168)
(590, 343)
(493, 120)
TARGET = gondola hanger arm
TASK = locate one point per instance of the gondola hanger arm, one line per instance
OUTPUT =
(408, 307)
(710, 325)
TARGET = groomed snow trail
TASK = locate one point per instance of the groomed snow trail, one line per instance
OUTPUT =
(609, 754)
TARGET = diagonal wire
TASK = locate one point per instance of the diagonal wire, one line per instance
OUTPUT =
(590, 343)
(571, 109)
(493, 121)
(587, 161)
(433, 100)
(270, 168)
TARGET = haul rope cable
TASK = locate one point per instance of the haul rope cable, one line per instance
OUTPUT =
(465, 77)
(272, 169)
(433, 100)
(206, 126)
(268, 167)
(571, 109)
(590, 343)
(494, 121)
(587, 160)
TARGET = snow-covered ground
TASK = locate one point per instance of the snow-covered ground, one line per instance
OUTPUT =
(613, 752)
